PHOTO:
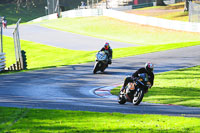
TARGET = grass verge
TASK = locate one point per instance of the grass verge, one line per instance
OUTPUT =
(114, 29)
(171, 12)
(42, 56)
(179, 87)
(40, 120)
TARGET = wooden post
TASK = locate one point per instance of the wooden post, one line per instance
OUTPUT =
(21, 63)
(10, 68)
(18, 65)
(14, 66)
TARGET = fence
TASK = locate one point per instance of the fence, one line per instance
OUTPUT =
(19, 61)
(194, 12)
(1, 33)
(2, 61)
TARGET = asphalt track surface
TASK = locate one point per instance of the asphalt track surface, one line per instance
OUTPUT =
(73, 87)
(68, 40)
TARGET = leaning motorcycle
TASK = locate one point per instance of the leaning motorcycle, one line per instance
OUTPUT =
(101, 62)
(134, 91)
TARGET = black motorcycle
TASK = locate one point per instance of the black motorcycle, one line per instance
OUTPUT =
(101, 62)
(134, 91)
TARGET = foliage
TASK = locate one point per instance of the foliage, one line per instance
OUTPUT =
(26, 14)
(160, 3)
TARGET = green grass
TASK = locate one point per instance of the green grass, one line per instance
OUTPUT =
(113, 29)
(180, 16)
(179, 87)
(171, 12)
(42, 56)
(179, 5)
(40, 120)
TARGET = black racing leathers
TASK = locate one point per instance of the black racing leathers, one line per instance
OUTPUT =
(136, 74)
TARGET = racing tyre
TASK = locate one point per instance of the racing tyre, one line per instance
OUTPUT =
(121, 99)
(95, 68)
(103, 69)
(138, 96)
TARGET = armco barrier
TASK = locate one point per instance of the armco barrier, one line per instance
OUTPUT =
(73, 13)
(83, 13)
(152, 21)
(2, 61)
(48, 17)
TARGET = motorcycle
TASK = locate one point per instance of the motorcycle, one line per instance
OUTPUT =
(101, 62)
(134, 91)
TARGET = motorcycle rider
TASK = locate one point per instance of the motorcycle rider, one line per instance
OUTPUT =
(148, 69)
(4, 22)
(107, 49)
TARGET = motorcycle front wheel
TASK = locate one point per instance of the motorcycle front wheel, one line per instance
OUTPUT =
(96, 67)
(121, 99)
(138, 96)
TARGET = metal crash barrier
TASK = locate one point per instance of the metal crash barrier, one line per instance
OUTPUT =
(2, 61)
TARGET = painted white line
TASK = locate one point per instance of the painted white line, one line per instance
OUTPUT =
(103, 91)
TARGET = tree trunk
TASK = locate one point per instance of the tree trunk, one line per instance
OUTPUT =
(160, 3)
(187, 5)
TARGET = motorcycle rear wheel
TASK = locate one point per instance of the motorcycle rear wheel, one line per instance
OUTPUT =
(138, 96)
(103, 69)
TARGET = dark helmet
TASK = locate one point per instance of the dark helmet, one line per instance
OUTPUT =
(106, 46)
(149, 67)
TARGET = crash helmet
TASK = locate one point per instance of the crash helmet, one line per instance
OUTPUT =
(149, 67)
(106, 46)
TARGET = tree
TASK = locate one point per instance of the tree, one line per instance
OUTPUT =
(6, 1)
(27, 3)
(160, 3)
(187, 5)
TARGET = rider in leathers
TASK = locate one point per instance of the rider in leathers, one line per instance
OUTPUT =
(107, 49)
(147, 69)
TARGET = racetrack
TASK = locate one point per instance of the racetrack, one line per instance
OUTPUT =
(71, 87)
(61, 39)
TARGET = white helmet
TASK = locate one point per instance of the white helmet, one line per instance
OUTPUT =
(149, 67)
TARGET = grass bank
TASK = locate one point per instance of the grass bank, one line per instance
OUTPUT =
(42, 56)
(40, 120)
(179, 87)
(171, 12)
(114, 29)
